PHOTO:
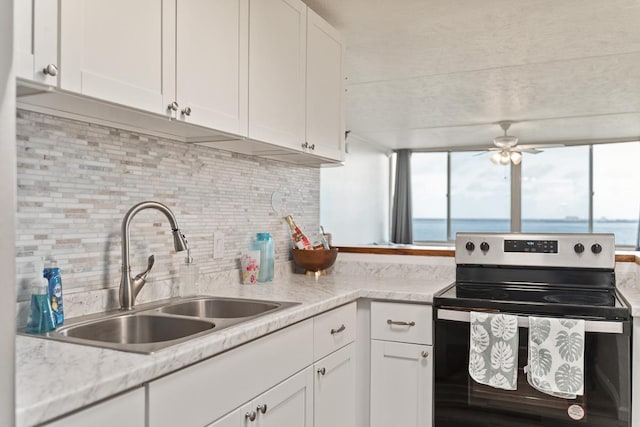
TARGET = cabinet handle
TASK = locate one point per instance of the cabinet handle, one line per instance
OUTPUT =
(173, 106)
(50, 70)
(251, 415)
(400, 323)
(186, 111)
(322, 371)
(262, 408)
(424, 354)
(305, 145)
(312, 147)
(337, 331)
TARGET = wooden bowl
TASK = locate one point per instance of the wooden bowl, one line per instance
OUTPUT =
(315, 262)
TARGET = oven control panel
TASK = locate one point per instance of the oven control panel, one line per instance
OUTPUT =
(539, 246)
(545, 250)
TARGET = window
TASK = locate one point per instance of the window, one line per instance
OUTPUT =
(480, 199)
(555, 190)
(616, 191)
(589, 188)
(429, 194)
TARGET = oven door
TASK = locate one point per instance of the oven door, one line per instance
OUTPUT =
(461, 402)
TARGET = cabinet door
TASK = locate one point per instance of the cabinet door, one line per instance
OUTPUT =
(335, 388)
(289, 404)
(325, 91)
(277, 44)
(119, 50)
(127, 409)
(401, 384)
(36, 40)
(238, 418)
(212, 63)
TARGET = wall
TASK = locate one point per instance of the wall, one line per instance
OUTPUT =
(354, 199)
(76, 181)
(7, 210)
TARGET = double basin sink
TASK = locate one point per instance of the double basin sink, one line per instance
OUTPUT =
(152, 327)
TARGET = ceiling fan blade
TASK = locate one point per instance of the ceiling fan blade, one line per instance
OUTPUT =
(535, 146)
(529, 150)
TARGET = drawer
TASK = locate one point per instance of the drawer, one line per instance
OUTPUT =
(333, 330)
(411, 323)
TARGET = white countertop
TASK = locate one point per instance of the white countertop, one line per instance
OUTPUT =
(54, 378)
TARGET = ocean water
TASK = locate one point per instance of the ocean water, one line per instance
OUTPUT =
(429, 229)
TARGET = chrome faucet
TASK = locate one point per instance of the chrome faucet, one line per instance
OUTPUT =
(130, 286)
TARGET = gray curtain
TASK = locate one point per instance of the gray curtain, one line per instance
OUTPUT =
(638, 239)
(401, 215)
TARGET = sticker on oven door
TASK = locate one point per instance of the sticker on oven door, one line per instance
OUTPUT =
(576, 412)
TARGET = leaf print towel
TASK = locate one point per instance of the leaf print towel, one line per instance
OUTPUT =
(556, 356)
(493, 350)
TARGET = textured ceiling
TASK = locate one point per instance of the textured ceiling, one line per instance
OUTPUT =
(442, 73)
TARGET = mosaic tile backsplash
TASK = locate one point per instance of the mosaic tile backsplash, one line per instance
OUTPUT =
(76, 181)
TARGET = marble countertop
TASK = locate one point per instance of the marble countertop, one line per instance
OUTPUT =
(632, 295)
(54, 378)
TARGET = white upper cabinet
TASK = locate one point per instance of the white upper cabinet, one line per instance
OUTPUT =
(36, 40)
(325, 89)
(119, 50)
(277, 60)
(212, 63)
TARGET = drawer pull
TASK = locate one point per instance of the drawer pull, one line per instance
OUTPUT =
(424, 354)
(400, 322)
(337, 331)
(251, 415)
(322, 371)
(262, 408)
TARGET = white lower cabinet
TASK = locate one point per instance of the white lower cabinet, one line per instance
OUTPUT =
(401, 365)
(334, 389)
(203, 393)
(126, 409)
(289, 404)
(401, 384)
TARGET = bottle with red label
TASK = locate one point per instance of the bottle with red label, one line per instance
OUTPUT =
(300, 241)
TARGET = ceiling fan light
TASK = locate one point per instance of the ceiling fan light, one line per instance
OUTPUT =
(506, 141)
(504, 158)
(516, 157)
(495, 158)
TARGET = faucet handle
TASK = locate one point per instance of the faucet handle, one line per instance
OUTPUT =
(143, 276)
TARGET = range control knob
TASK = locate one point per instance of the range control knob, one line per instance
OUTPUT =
(470, 246)
(596, 248)
(484, 246)
(579, 248)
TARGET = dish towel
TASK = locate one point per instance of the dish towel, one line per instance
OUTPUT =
(556, 356)
(493, 350)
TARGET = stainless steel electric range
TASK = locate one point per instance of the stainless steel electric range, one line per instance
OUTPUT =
(569, 276)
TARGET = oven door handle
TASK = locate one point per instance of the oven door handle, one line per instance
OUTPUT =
(596, 326)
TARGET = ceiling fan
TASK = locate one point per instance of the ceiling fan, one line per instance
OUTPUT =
(507, 149)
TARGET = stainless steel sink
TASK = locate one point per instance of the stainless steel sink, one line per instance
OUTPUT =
(137, 329)
(151, 327)
(222, 308)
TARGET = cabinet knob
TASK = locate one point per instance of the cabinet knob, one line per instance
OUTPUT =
(262, 408)
(50, 70)
(322, 371)
(312, 147)
(424, 354)
(173, 106)
(251, 415)
(337, 331)
(305, 145)
(186, 111)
